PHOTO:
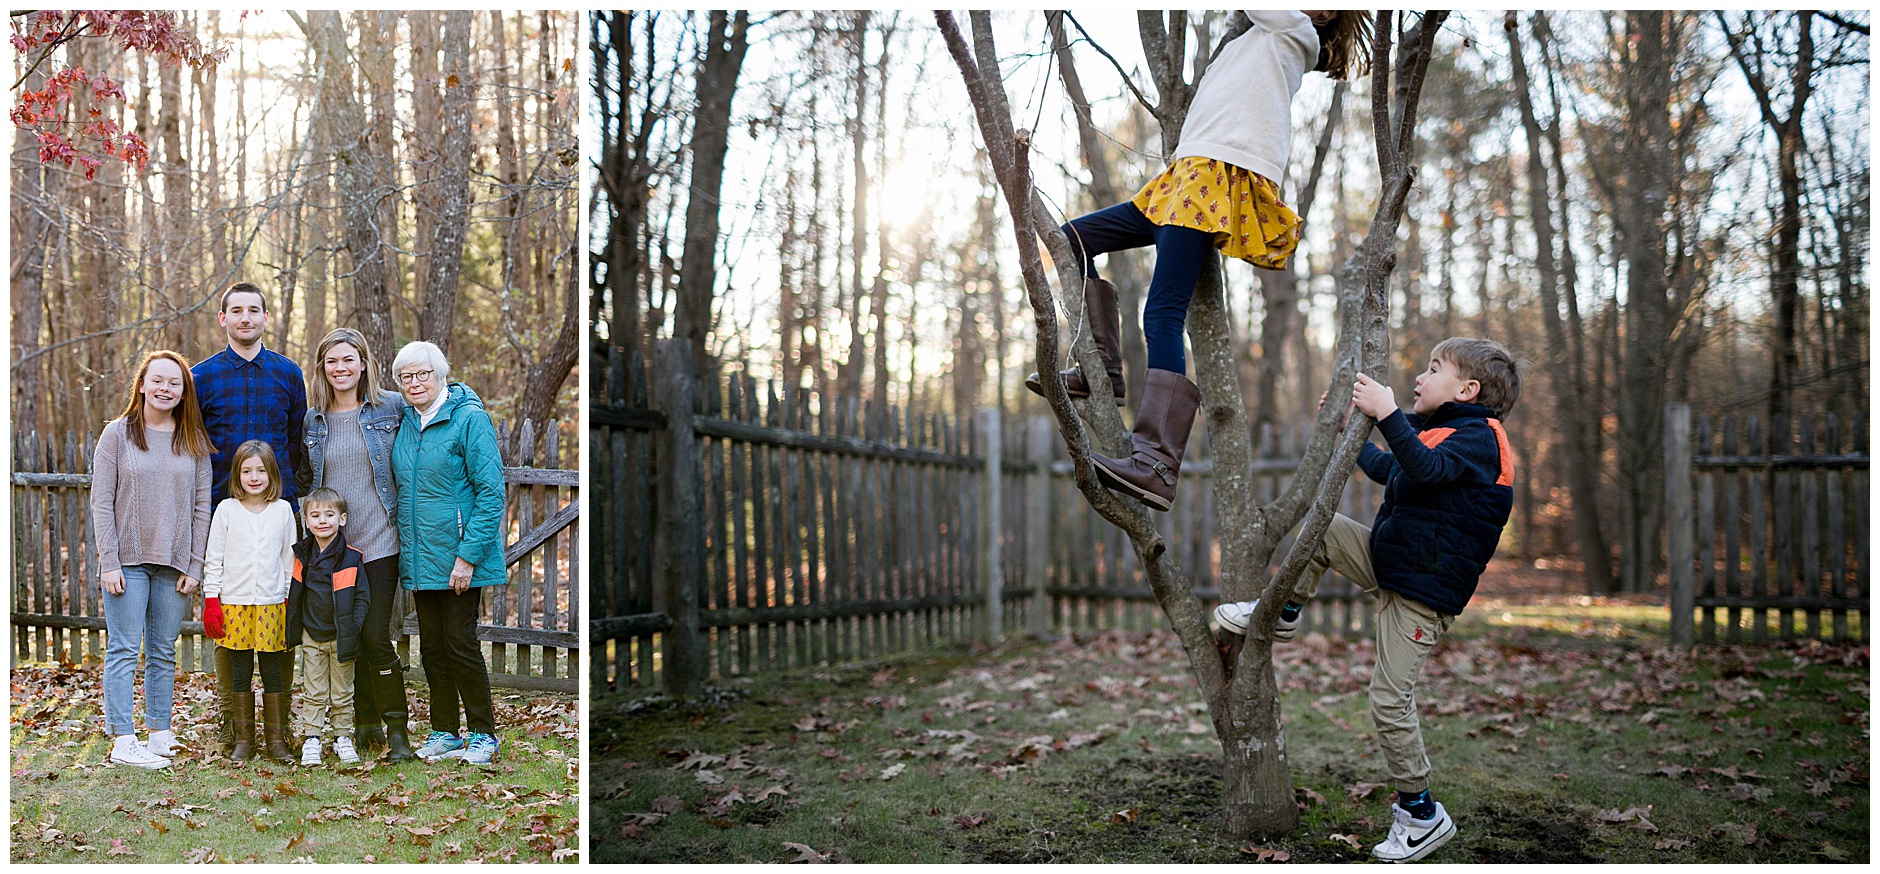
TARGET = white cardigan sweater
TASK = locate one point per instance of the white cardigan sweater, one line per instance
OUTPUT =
(1242, 110)
(251, 555)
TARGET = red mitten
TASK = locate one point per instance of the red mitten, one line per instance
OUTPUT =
(212, 618)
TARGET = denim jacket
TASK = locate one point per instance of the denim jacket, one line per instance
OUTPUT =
(380, 423)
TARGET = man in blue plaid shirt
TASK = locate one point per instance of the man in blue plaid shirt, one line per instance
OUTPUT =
(251, 393)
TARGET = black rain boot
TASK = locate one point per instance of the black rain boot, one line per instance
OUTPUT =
(368, 732)
(390, 695)
(1169, 403)
(1106, 329)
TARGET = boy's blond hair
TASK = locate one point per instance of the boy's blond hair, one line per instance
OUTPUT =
(323, 497)
(1489, 364)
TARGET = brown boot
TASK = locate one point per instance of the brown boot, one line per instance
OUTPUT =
(1106, 329)
(1169, 402)
(274, 727)
(238, 719)
(224, 687)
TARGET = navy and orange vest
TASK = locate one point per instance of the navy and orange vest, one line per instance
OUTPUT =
(350, 599)
(1448, 490)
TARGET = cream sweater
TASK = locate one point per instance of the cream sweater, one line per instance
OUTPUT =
(251, 555)
(1242, 110)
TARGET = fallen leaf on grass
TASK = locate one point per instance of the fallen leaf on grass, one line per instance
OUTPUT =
(669, 804)
(1627, 815)
(769, 791)
(1356, 791)
(118, 848)
(1820, 788)
(806, 854)
(1123, 816)
(966, 822)
(1265, 854)
(1672, 844)
(892, 771)
(631, 831)
(1310, 796)
(709, 778)
(698, 759)
(1348, 840)
(1831, 852)
(200, 856)
(299, 842)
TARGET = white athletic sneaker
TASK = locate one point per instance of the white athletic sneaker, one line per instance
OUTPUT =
(343, 747)
(162, 743)
(127, 751)
(1233, 617)
(310, 752)
(1411, 839)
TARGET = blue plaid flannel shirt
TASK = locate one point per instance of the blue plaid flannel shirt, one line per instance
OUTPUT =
(263, 399)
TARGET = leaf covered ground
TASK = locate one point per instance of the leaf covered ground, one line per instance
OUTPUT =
(70, 804)
(1561, 730)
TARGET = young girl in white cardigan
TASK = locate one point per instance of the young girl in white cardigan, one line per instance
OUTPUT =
(244, 584)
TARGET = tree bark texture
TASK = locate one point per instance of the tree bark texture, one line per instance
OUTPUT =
(453, 183)
(717, 78)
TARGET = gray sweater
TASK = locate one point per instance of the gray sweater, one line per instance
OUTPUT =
(150, 506)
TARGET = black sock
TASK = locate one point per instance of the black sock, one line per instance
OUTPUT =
(1290, 611)
(1417, 804)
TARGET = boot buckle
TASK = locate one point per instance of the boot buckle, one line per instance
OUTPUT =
(1163, 473)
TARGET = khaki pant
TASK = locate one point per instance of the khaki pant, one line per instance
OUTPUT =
(326, 702)
(1407, 630)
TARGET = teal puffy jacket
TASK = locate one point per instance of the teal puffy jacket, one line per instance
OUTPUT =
(450, 494)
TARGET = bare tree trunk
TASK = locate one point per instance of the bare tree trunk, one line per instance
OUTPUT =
(1646, 72)
(453, 183)
(34, 236)
(1575, 416)
(172, 270)
(424, 152)
(717, 77)
(507, 173)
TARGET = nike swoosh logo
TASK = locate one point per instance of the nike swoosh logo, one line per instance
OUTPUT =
(1417, 842)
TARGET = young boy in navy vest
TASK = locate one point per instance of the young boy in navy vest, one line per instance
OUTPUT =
(1449, 486)
(326, 609)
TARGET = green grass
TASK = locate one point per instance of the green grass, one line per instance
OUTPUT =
(69, 804)
(1558, 734)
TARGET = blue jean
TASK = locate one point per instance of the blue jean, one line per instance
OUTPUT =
(1179, 255)
(148, 617)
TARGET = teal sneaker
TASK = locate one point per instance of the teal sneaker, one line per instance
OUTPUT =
(478, 749)
(439, 744)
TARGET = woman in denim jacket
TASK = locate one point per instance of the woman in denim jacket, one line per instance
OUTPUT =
(351, 424)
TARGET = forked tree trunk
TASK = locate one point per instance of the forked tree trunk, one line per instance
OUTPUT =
(1235, 676)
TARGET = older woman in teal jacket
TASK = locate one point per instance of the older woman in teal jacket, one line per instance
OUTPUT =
(450, 530)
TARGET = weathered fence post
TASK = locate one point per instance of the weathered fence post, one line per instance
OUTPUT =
(678, 539)
(991, 559)
(1678, 520)
(1038, 436)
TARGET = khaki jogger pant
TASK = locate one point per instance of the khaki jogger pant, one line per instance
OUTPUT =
(1407, 630)
(327, 701)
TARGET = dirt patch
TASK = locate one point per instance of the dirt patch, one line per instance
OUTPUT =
(1527, 835)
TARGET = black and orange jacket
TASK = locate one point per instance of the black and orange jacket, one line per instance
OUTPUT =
(1448, 489)
(350, 599)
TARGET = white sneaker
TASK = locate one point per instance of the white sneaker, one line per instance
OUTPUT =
(1411, 839)
(127, 751)
(1233, 617)
(162, 743)
(310, 752)
(343, 747)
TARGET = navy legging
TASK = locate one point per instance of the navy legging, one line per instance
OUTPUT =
(1179, 254)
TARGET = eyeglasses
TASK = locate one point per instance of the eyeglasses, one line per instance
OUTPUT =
(416, 376)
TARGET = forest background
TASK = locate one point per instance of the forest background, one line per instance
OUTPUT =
(803, 196)
(410, 174)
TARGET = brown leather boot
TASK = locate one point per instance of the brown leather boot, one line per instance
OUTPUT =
(1106, 328)
(224, 687)
(1169, 402)
(238, 719)
(274, 727)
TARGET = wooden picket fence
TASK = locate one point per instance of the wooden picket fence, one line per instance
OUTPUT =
(530, 626)
(779, 529)
(1767, 523)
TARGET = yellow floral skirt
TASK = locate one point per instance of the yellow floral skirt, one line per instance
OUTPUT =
(1242, 209)
(260, 627)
